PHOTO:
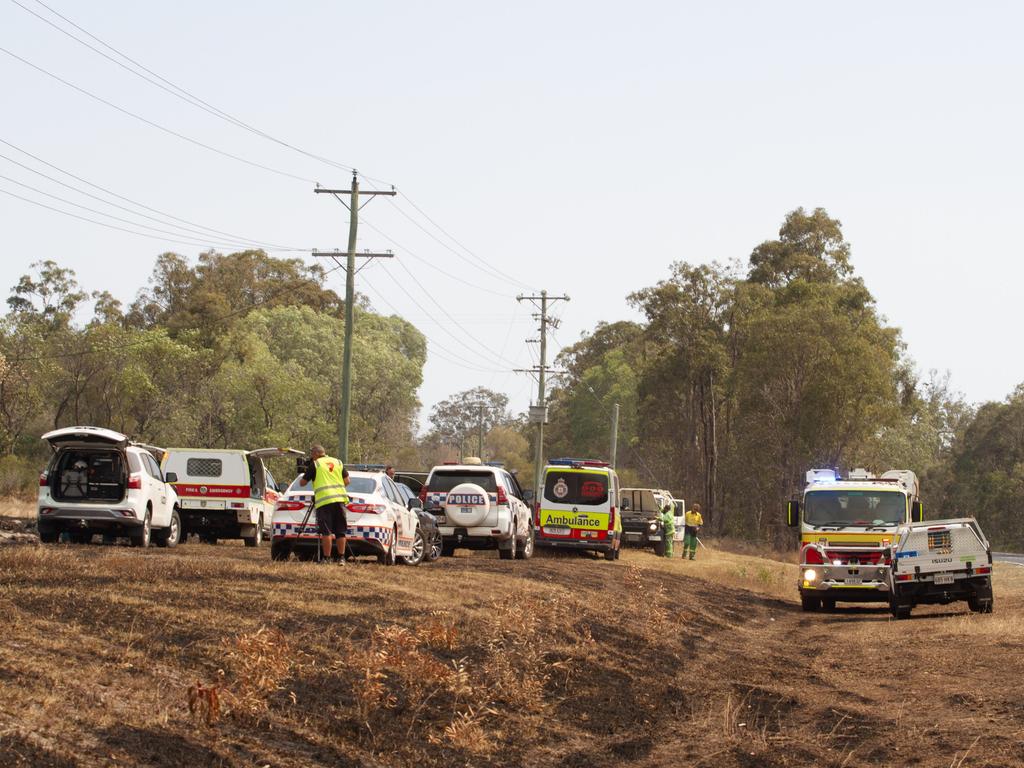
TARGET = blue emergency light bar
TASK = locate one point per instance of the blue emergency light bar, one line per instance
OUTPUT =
(577, 463)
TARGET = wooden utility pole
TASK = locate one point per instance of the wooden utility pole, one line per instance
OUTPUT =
(615, 434)
(354, 207)
(539, 413)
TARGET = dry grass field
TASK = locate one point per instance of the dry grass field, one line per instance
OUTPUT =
(214, 656)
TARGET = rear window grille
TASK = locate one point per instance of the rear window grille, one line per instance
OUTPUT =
(203, 467)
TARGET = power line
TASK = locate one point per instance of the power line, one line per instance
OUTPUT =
(153, 124)
(491, 272)
(437, 345)
(174, 89)
(206, 243)
(463, 247)
(432, 265)
(198, 227)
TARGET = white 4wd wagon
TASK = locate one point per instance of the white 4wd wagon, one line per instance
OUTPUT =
(478, 506)
(98, 481)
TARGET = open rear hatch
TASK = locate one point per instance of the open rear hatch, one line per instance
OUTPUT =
(90, 465)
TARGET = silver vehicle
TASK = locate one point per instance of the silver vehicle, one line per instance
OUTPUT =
(939, 562)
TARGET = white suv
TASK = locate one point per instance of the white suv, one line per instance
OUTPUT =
(100, 482)
(479, 506)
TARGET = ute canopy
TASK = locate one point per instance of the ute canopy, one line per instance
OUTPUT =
(91, 436)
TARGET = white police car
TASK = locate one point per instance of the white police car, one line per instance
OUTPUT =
(479, 506)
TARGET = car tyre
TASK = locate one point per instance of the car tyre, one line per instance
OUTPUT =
(524, 551)
(48, 537)
(280, 550)
(170, 535)
(257, 538)
(142, 536)
(436, 548)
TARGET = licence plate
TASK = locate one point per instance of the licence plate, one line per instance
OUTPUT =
(654, 538)
(556, 530)
(467, 510)
(854, 581)
(943, 578)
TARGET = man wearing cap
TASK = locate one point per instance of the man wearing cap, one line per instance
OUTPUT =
(329, 499)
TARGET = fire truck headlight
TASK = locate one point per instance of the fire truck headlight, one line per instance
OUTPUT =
(810, 574)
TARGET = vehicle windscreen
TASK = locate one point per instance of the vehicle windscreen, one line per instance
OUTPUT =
(847, 507)
(355, 485)
(443, 481)
(584, 489)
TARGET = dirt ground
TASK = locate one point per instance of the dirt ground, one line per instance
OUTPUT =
(214, 656)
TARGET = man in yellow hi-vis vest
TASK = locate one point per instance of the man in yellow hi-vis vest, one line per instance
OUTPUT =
(329, 499)
(692, 524)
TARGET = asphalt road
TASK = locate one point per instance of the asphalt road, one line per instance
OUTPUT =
(1008, 557)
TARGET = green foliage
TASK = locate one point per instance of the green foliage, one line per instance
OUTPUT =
(242, 350)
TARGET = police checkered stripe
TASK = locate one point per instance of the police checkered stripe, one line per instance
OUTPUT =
(370, 533)
(441, 498)
(295, 529)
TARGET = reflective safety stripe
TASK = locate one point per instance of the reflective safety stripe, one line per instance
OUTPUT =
(329, 482)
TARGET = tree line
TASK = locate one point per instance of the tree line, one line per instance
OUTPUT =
(739, 377)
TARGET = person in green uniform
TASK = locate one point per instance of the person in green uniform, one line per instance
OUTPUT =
(693, 522)
(668, 526)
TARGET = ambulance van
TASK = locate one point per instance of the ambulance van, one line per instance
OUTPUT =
(576, 509)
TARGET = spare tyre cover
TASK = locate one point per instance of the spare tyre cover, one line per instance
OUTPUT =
(467, 505)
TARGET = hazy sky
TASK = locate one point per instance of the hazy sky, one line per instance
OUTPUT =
(579, 147)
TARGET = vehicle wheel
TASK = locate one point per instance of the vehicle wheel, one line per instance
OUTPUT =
(810, 603)
(169, 536)
(436, 547)
(980, 603)
(388, 557)
(257, 538)
(828, 603)
(280, 550)
(48, 537)
(659, 548)
(81, 537)
(525, 550)
(419, 549)
(141, 537)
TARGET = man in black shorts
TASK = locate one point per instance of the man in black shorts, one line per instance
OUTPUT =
(329, 478)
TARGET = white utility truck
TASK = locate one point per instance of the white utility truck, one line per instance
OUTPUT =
(847, 529)
(939, 562)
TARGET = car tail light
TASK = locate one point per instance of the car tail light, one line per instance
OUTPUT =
(904, 576)
(125, 512)
(502, 496)
(46, 511)
(423, 493)
(611, 519)
(42, 480)
(135, 482)
(812, 556)
(983, 569)
(364, 509)
(289, 506)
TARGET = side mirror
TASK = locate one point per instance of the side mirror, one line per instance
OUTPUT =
(414, 504)
(793, 513)
(916, 512)
(171, 477)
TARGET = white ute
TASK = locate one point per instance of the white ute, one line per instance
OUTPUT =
(99, 481)
(940, 561)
